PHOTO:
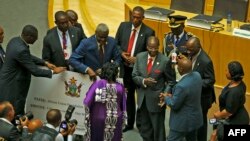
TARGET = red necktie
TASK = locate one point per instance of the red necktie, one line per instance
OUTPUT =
(131, 41)
(150, 64)
(64, 40)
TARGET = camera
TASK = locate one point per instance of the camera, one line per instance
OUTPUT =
(29, 115)
(213, 121)
(67, 122)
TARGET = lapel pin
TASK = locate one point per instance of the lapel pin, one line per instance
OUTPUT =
(157, 63)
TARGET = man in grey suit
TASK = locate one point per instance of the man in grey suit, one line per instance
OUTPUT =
(60, 41)
(15, 75)
(150, 76)
(185, 114)
(131, 38)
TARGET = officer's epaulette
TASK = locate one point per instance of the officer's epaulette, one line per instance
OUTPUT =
(190, 34)
(166, 34)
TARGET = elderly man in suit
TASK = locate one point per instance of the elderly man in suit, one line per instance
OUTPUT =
(2, 52)
(8, 131)
(184, 101)
(60, 41)
(94, 51)
(202, 63)
(15, 75)
(150, 76)
(131, 38)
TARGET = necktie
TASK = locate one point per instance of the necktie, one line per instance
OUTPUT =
(64, 41)
(150, 64)
(131, 41)
(101, 54)
(177, 40)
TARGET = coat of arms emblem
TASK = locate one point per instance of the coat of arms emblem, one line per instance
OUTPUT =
(71, 88)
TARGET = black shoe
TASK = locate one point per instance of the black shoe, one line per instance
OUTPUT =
(127, 128)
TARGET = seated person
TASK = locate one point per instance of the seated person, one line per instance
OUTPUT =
(8, 131)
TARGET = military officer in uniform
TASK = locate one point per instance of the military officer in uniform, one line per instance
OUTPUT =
(178, 37)
(175, 41)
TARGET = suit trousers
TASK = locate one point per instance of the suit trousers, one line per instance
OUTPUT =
(182, 136)
(151, 124)
(130, 86)
(206, 103)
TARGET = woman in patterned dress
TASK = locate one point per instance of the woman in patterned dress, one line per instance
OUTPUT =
(105, 106)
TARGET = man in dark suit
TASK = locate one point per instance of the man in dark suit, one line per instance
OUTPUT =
(131, 38)
(2, 52)
(8, 131)
(60, 41)
(184, 101)
(15, 75)
(150, 76)
(73, 17)
(202, 63)
(94, 51)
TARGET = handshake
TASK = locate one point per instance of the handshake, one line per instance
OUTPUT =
(54, 68)
(162, 98)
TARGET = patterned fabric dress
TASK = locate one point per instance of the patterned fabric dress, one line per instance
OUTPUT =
(105, 111)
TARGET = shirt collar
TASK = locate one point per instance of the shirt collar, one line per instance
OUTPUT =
(4, 119)
(50, 126)
(60, 32)
(183, 76)
(137, 28)
(196, 55)
(24, 41)
(180, 36)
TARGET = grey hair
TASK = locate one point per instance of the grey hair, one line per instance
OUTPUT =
(102, 28)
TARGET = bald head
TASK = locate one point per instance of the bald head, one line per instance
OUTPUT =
(73, 17)
(34, 124)
(153, 46)
(54, 117)
(184, 65)
(193, 46)
(7, 110)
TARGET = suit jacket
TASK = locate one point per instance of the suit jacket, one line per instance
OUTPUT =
(204, 66)
(2, 56)
(15, 76)
(158, 72)
(87, 54)
(186, 113)
(123, 36)
(78, 25)
(52, 49)
(9, 132)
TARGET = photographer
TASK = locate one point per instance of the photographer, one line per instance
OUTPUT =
(7, 130)
(49, 131)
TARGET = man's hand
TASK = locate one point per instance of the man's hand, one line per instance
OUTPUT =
(92, 74)
(125, 56)
(131, 60)
(49, 65)
(24, 122)
(98, 72)
(149, 81)
(57, 70)
(162, 98)
(71, 129)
